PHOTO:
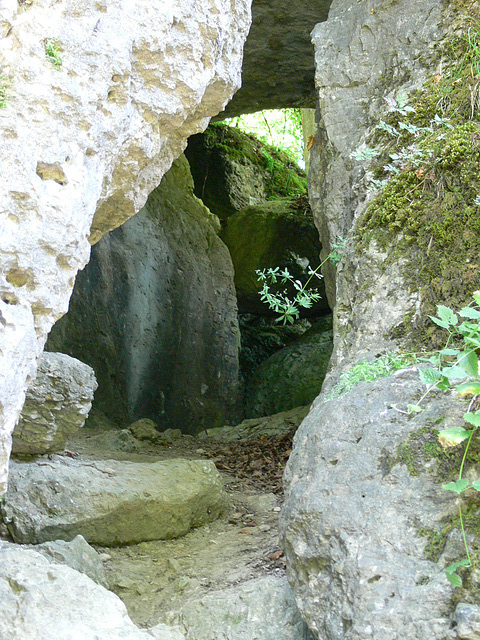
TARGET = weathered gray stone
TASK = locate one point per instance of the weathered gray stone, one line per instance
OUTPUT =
(155, 314)
(261, 609)
(78, 555)
(353, 512)
(294, 375)
(364, 51)
(57, 404)
(278, 68)
(268, 235)
(136, 80)
(275, 425)
(467, 618)
(44, 601)
(110, 502)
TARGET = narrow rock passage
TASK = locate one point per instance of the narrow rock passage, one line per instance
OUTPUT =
(156, 579)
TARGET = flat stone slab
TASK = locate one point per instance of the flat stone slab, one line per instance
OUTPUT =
(110, 502)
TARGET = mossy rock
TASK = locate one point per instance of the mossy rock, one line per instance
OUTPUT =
(268, 235)
(429, 214)
(233, 170)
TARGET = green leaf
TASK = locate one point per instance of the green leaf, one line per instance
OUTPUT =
(441, 323)
(470, 312)
(430, 376)
(458, 487)
(469, 362)
(451, 574)
(414, 408)
(453, 436)
(454, 578)
(471, 388)
(454, 372)
(449, 352)
(472, 418)
(476, 485)
(447, 315)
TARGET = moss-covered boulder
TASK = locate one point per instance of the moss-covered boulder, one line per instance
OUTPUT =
(293, 376)
(280, 233)
(233, 170)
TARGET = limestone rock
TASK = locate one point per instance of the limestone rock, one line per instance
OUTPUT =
(44, 601)
(363, 53)
(355, 507)
(110, 502)
(275, 425)
(155, 314)
(135, 81)
(278, 69)
(57, 404)
(233, 170)
(260, 609)
(467, 618)
(78, 555)
(268, 235)
(294, 375)
(144, 430)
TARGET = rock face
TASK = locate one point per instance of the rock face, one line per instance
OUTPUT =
(363, 52)
(57, 404)
(110, 503)
(155, 314)
(278, 70)
(78, 555)
(43, 601)
(293, 376)
(233, 170)
(261, 609)
(269, 235)
(361, 487)
(129, 85)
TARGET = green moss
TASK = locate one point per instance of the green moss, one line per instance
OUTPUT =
(427, 215)
(284, 177)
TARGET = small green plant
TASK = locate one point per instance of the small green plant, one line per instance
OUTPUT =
(280, 302)
(52, 52)
(456, 367)
(5, 84)
(370, 371)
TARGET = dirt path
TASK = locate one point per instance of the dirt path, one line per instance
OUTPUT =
(155, 577)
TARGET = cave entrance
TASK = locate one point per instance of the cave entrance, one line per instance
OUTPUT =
(175, 334)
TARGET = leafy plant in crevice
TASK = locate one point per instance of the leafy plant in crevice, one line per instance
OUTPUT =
(456, 367)
(368, 371)
(281, 302)
(52, 52)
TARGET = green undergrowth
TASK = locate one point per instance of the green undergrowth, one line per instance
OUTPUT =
(284, 177)
(429, 211)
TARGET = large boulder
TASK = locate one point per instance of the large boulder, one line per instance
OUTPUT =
(233, 170)
(110, 502)
(269, 235)
(260, 609)
(155, 314)
(363, 500)
(57, 404)
(293, 376)
(84, 142)
(44, 601)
